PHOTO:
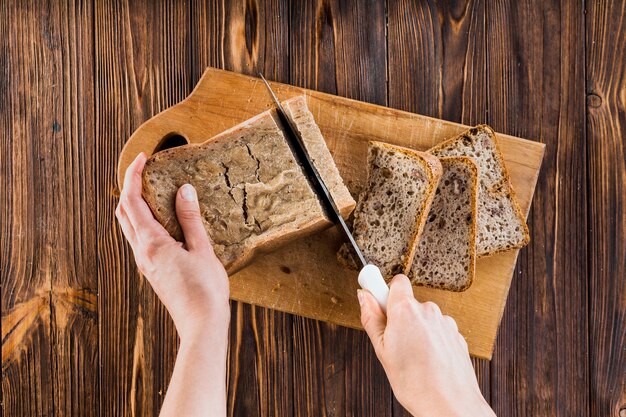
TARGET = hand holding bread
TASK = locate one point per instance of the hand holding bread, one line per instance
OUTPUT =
(189, 279)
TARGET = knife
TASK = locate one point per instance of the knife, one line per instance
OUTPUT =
(370, 277)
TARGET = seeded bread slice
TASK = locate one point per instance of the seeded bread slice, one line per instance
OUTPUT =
(253, 195)
(446, 255)
(501, 225)
(391, 212)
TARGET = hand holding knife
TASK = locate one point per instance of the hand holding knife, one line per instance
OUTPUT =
(370, 277)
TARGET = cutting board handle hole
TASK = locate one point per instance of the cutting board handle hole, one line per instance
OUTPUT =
(171, 141)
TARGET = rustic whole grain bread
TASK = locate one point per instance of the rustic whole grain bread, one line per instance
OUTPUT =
(253, 194)
(446, 255)
(501, 225)
(392, 210)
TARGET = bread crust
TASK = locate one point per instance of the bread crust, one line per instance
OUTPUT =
(506, 182)
(263, 242)
(474, 226)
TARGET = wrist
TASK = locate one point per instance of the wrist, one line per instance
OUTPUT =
(210, 339)
(212, 326)
(451, 407)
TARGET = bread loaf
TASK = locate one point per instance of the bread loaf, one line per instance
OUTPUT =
(501, 225)
(446, 255)
(253, 194)
(391, 212)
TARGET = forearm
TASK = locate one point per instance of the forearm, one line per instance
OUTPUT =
(198, 384)
(451, 407)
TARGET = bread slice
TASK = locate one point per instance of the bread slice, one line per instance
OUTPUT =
(501, 225)
(392, 210)
(446, 255)
(253, 194)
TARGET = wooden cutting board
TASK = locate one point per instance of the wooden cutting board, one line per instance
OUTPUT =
(304, 278)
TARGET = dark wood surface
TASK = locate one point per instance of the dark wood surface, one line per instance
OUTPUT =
(83, 334)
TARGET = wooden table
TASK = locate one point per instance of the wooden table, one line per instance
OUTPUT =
(83, 334)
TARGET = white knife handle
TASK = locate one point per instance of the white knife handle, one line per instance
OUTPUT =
(372, 280)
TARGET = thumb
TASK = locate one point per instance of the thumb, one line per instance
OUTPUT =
(188, 213)
(372, 318)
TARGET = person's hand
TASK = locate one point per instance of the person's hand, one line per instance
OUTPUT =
(425, 357)
(188, 279)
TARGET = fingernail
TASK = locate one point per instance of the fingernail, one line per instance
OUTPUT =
(360, 296)
(188, 193)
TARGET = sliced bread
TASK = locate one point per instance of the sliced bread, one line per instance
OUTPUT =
(445, 257)
(391, 212)
(253, 195)
(501, 225)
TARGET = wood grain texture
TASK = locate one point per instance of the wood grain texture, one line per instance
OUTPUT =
(438, 49)
(437, 59)
(49, 305)
(535, 79)
(260, 380)
(143, 56)
(334, 52)
(606, 155)
(245, 36)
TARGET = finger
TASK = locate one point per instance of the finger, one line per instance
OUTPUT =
(431, 309)
(463, 342)
(133, 172)
(451, 323)
(127, 228)
(188, 213)
(400, 287)
(138, 212)
(372, 318)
